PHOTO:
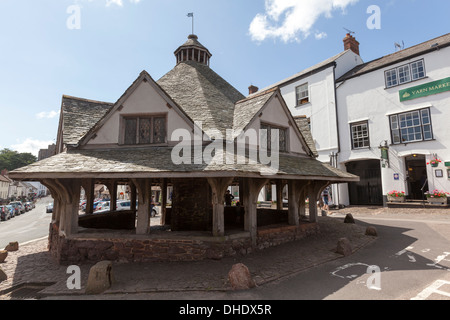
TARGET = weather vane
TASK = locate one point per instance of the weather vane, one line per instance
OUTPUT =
(191, 15)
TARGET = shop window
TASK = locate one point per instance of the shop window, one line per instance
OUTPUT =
(411, 126)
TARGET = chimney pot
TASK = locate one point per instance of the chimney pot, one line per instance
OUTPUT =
(252, 89)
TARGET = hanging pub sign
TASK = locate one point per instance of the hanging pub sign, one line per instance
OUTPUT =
(425, 90)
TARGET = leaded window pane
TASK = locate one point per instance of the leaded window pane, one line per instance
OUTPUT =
(282, 137)
(130, 131)
(145, 125)
(159, 131)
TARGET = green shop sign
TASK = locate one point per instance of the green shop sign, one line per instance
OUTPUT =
(425, 90)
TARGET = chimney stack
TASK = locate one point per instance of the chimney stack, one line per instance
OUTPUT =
(252, 89)
(351, 43)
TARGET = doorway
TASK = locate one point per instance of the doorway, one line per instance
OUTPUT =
(416, 176)
(368, 191)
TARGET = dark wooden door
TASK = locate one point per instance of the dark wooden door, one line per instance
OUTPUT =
(368, 191)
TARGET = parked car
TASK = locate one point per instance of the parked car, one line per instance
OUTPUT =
(49, 208)
(12, 211)
(122, 205)
(4, 213)
(20, 206)
(30, 204)
(16, 210)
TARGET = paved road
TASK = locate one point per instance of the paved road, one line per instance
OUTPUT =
(408, 258)
(29, 226)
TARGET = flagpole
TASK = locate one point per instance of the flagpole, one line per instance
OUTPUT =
(191, 15)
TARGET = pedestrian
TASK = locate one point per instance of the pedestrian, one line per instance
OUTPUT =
(325, 195)
(228, 198)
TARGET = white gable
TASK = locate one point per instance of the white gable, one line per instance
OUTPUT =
(143, 99)
(277, 115)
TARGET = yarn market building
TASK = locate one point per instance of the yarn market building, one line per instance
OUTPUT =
(150, 137)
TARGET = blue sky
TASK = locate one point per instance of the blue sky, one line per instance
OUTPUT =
(253, 42)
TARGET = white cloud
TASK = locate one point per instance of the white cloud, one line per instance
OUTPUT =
(32, 146)
(116, 2)
(119, 2)
(320, 35)
(289, 20)
(47, 115)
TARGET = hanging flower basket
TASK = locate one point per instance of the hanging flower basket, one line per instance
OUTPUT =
(434, 163)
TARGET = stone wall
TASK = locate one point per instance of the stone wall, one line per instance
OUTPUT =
(270, 236)
(79, 250)
(191, 205)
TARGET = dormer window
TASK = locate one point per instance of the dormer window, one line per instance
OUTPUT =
(266, 136)
(144, 130)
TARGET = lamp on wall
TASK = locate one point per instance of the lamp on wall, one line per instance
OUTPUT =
(384, 148)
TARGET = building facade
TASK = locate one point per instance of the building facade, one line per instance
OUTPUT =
(393, 120)
(312, 99)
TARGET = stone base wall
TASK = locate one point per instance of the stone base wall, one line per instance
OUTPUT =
(69, 251)
(191, 205)
(271, 236)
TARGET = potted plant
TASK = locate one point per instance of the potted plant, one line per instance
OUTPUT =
(435, 162)
(437, 197)
(396, 196)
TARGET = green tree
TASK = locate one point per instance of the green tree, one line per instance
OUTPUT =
(11, 160)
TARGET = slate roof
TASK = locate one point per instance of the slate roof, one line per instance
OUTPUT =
(307, 71)
(157, 162)
(247, 108)
(204, 97)
(405, 54)
(79, 116)
(303, 124)
(202, 94)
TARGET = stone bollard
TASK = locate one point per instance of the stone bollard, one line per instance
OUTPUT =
(12, 246)
(371, 231)
(3, 255)
(240, 277)
(349, 219)
(100, 278)
(3, 275)
(344, 247)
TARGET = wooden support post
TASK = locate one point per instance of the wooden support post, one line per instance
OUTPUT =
(70, 206)
(88, 186)
(314, 190)
(113, 194)
(279, 189)
(293, 219)
(252, 187)
(132, 197)
(302, 203)
(144, 190)
(163, 201)
(219, 187)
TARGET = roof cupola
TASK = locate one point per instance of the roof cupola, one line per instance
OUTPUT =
(193, 50)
